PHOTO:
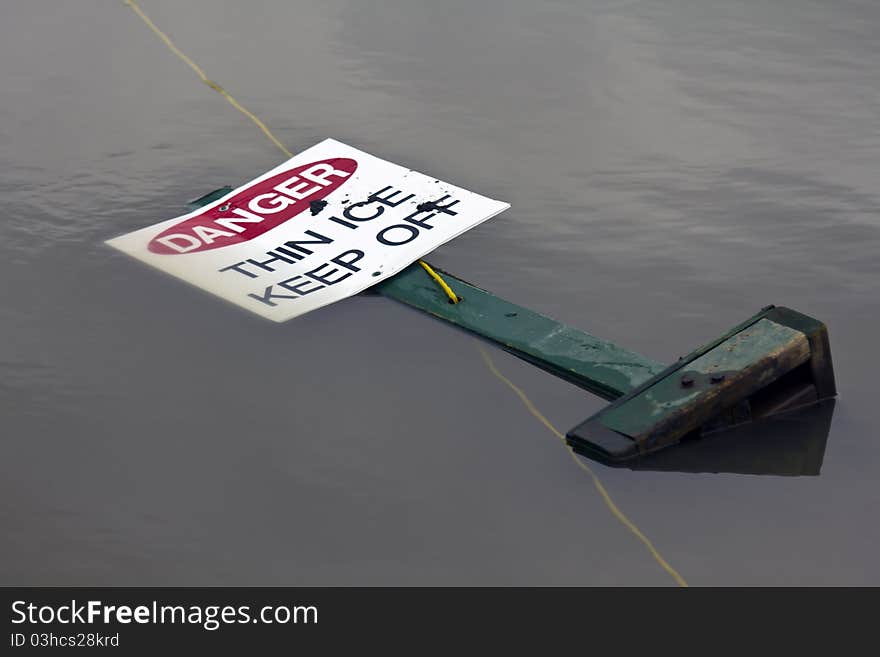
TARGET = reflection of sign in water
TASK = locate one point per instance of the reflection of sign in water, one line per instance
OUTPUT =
(327, 224)
(791, 444)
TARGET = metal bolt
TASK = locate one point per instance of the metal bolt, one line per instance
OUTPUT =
(716, 378)
(687, 381)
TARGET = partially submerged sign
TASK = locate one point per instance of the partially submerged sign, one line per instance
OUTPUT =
(324, 225)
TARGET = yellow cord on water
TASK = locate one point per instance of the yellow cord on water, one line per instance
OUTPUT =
(216, 87)
(449, 293)
(603, 492)
(453, 297)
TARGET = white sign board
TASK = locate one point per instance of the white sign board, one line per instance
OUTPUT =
(324, 225)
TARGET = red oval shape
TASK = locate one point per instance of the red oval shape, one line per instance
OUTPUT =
(255, 210)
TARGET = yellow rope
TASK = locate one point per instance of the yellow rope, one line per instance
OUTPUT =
(453, 297)
(449, 293)
(603, 492)
(244, 110)
(216, 87)
(606, 497)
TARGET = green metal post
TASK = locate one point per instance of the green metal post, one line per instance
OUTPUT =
(600, 366)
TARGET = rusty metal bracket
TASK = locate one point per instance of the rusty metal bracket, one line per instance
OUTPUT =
(775, 361)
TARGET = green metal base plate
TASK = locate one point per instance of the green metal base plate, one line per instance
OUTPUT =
(776, 360)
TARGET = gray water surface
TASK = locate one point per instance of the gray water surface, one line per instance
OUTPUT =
(672, 166)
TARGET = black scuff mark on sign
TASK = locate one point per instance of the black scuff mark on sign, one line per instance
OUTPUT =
(316, 206)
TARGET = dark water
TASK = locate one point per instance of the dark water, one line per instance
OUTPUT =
(673, 166)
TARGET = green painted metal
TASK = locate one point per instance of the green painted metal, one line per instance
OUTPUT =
(775, 360)
(600, 366)
(734, 358)
(210, 197)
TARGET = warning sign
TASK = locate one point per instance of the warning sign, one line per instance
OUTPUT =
(324, 225)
